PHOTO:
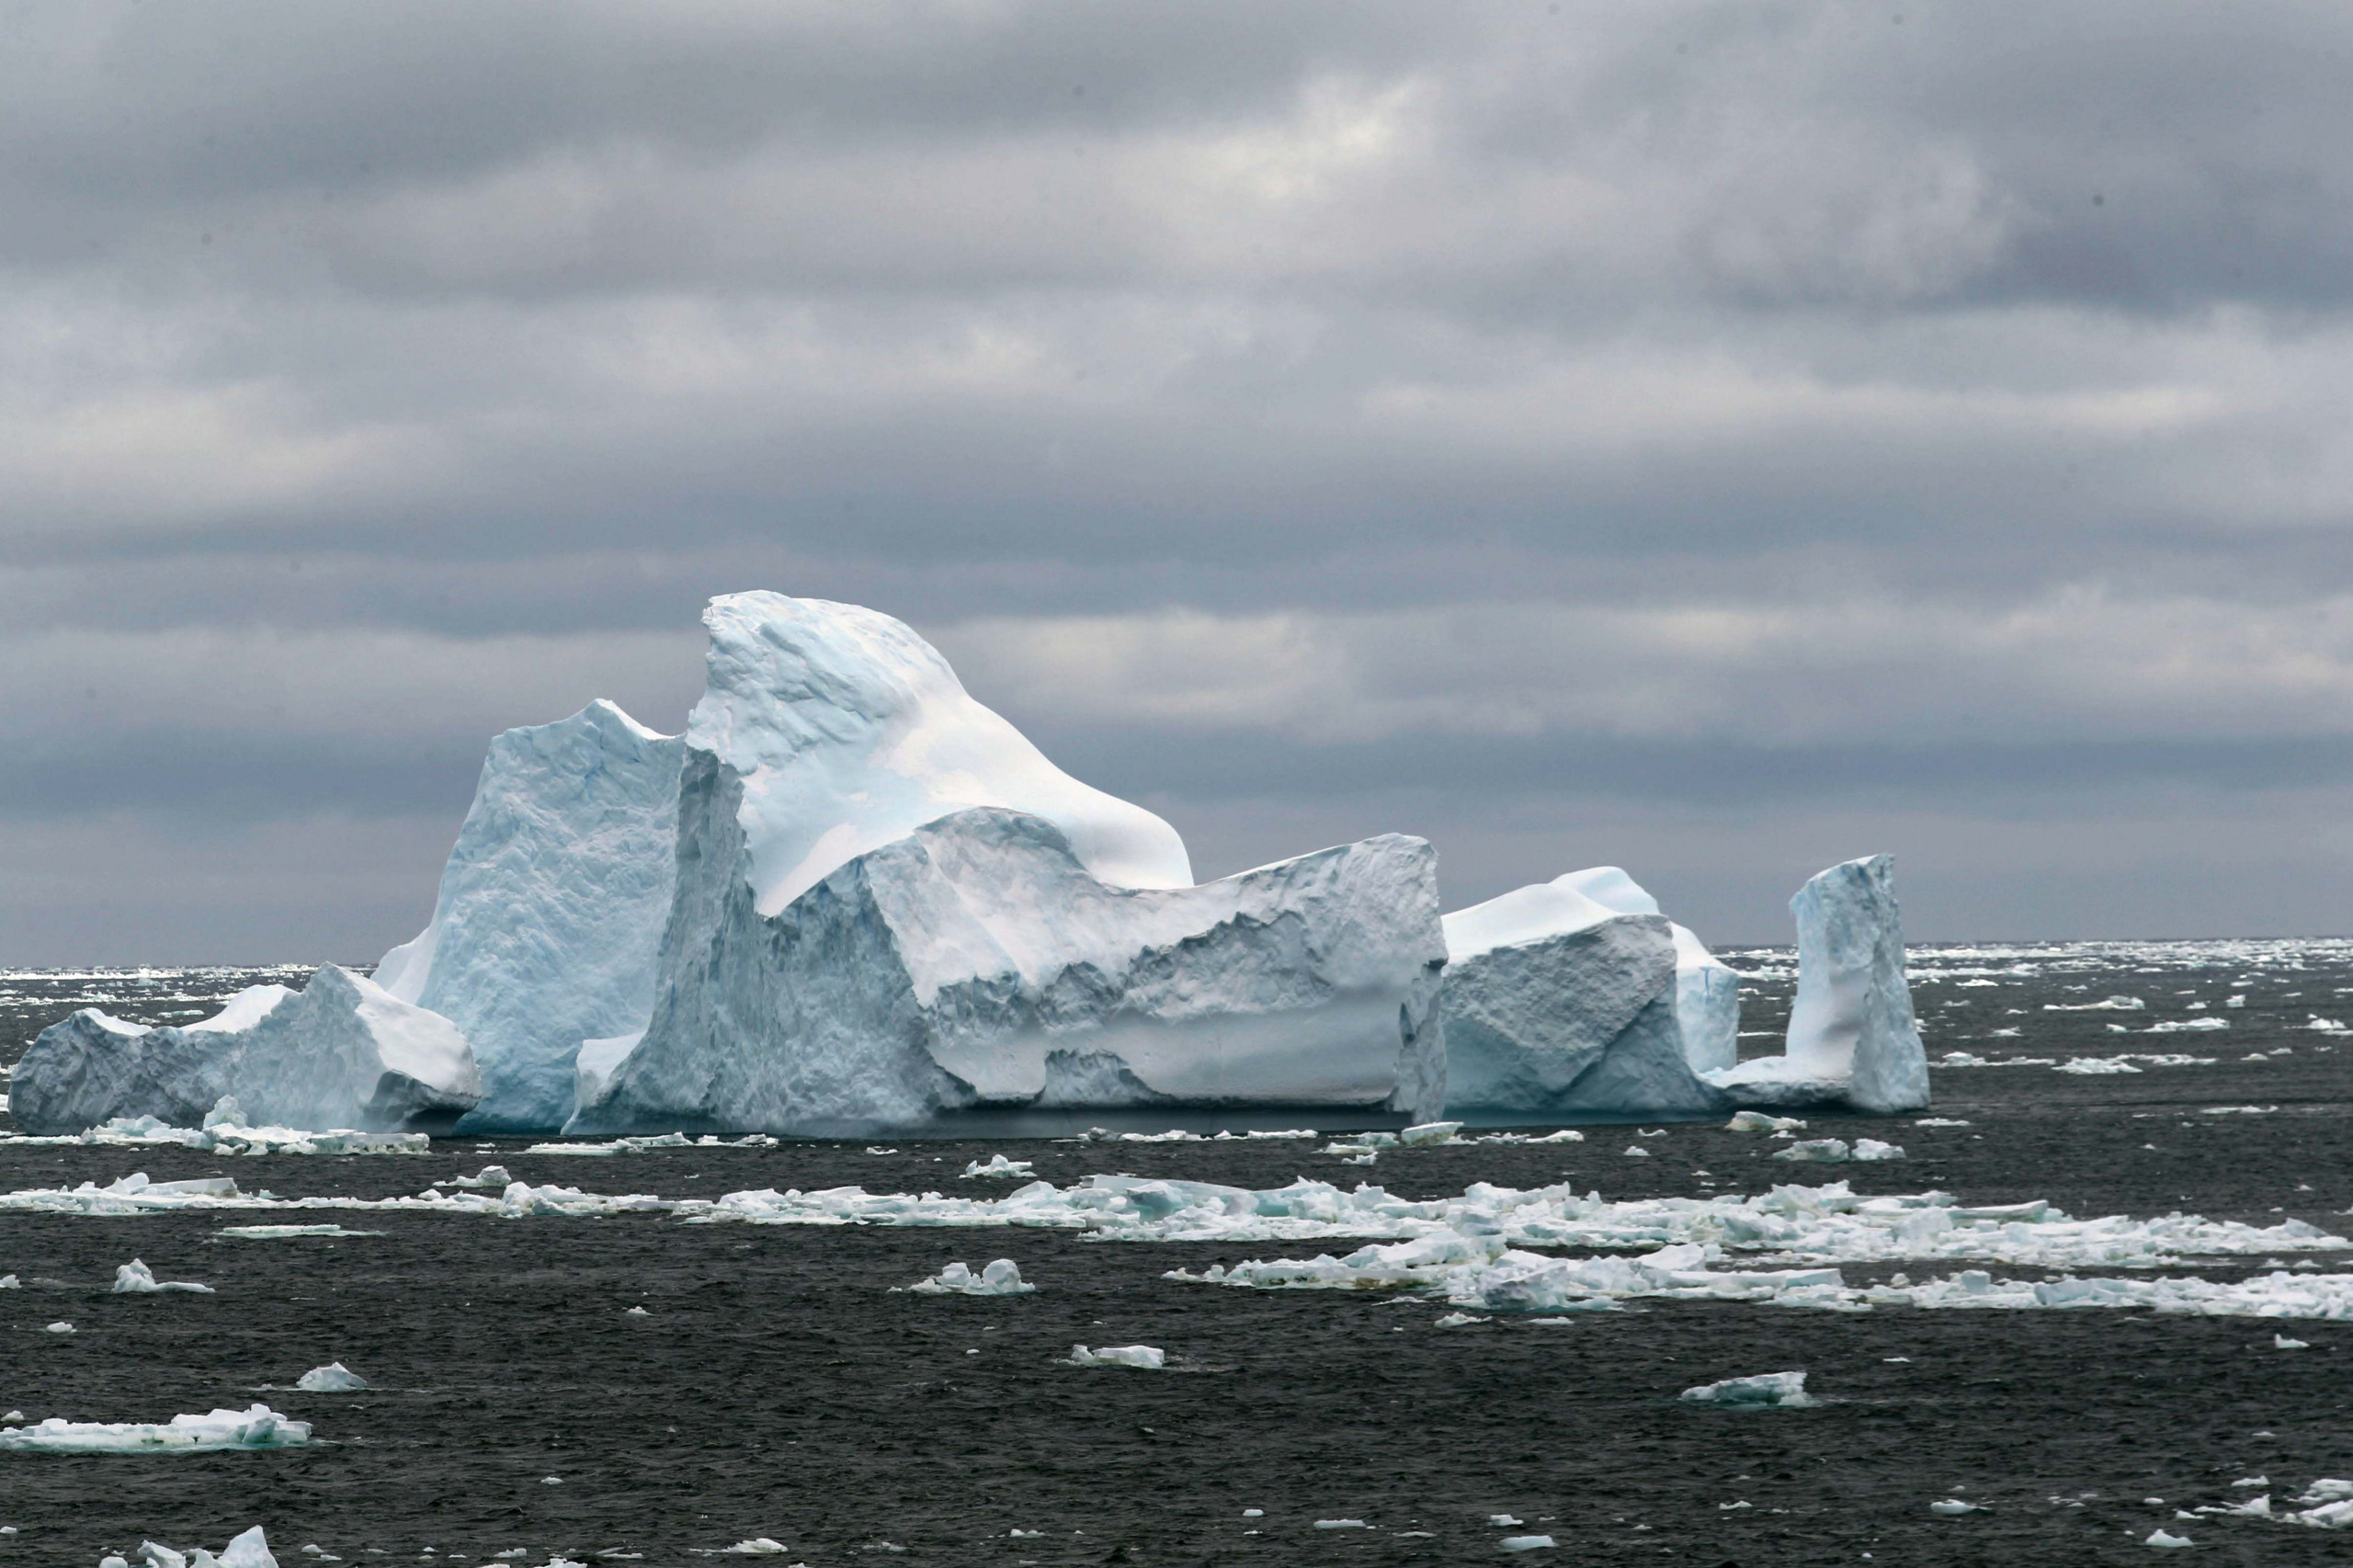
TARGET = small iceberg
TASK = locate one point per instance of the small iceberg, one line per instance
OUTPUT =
(135, 1279)
(1002, 1277)
(998, 1165)
(257, 1426)
(333, 1377)
(1149, 1357)
(250, 1550)
(1783, 1391)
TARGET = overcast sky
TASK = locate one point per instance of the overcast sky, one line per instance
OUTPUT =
(1715, 439)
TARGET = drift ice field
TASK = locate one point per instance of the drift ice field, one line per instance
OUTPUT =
(835, 1135)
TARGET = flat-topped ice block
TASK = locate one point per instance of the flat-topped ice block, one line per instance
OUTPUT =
(1560, 1002)
(977, 967)
(342, 1053)
(551, 909)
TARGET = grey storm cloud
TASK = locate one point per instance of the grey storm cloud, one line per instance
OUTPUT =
(1716, 438)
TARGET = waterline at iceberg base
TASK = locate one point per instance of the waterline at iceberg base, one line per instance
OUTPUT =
(851, 901)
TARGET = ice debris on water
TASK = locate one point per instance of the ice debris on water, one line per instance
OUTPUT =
(286, 1233)
(998, 1165)
(224, 1132)
(2187, 1026)
(1954, 1505)
(1461, 1320)
(1784, 1390)
(256, 1427)
(1504, 1521)
(1148, 1358)
(1002, 1277)
(333, 1377)
(2161, 1537)
(649, 1143)
(1526, 1542)
(2093, 1065)
(60, 1327)
(1341, 1524)
(250, 1550)
(135, 1279)
(1760, 1121)
(489, 1176)
(755, 1546)
(1835, 1151)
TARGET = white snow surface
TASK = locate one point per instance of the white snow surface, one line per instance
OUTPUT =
(550, 908)
(343, 1052)
(848, 732)
(256, 1427)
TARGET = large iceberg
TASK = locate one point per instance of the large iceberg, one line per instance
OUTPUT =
(342, 1053)
(1852, 1038)
(551, 909)
(1707, 994)
(1559, 1002)
(893, 911)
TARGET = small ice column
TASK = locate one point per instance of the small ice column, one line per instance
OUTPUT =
(1852, 1017)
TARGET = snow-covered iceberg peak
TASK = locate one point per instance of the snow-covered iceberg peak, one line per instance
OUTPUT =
(848, 730)
(551, 905)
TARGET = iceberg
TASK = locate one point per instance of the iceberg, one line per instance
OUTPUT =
(343, 1052)
(893, 913)
(1002, 1277)
(1852, 1038)
(1557, 1003)
(333, 1377)
(1782, 1389)
(256, 1427)
(1145, 1357)
(550, 908)
(250, 1550)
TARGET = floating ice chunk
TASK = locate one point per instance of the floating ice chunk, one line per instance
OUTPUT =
(1637, 1151)
(2092, 1065)
(2281, 1342)
(1868, 1149)
(1782, 1389)
(1148, 1358)
(135, 1279)
(250, 1550)
(489, 1176)
(1938, 1122)
(257, 1426)
(333, 1377)
(2186, 1026)
(1002, 1277)
(1824, 1151)
(1341, 1524)
(1526, 1542)
(344, 1053)
(10, 1283)
(2326, 1026)
(60, 1327)
(2326, 1490)
(1955, 1506)
(1428, 1134)
(286, 1233)
(1759, 1121)
(757, 1546)
(1461, 1320)
(2240, 1109)
(1504, 1521)
(998, 1165)
(2161, 1537)
(2110, 1005)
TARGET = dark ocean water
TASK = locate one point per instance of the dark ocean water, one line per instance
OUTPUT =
(776, 1387)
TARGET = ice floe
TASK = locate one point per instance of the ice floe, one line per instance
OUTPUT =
(225, 1132)
(250, 1550)
(1146, 1358)
(333, 1377)
(256, 1427)
(1784, 1390)
(1002, 1277)
(1835, 1151)
(135, 1279)
(998, 1165)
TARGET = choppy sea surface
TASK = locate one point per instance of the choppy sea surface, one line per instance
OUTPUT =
(605, 1382)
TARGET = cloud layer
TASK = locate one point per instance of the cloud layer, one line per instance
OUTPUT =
(1716, 438)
